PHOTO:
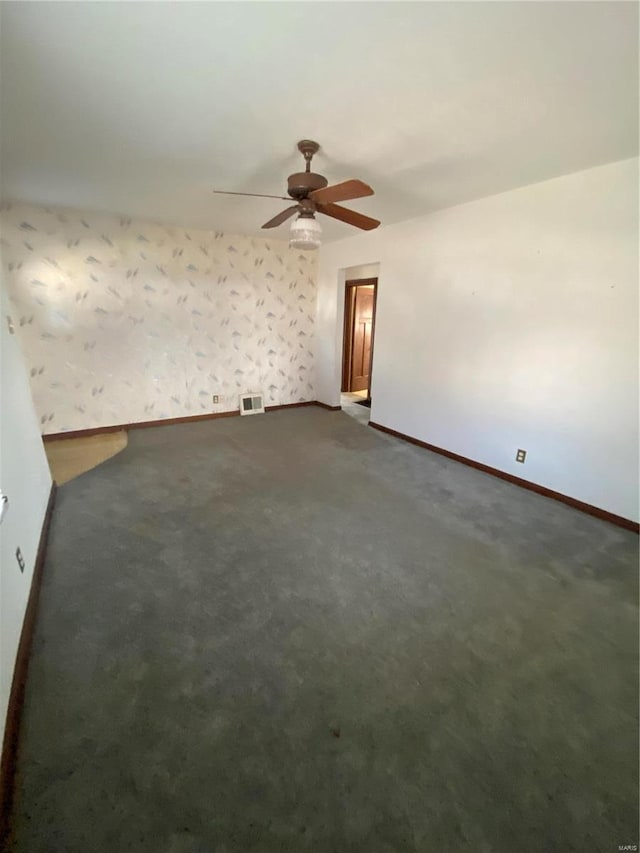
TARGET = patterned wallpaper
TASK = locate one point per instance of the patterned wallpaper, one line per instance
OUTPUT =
(123, 321)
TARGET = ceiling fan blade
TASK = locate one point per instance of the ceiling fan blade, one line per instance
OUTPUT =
(341, 192)
(349, 216)
(255, 195)
(281, 217)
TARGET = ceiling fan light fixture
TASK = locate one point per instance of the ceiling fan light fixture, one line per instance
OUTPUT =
(305, 233)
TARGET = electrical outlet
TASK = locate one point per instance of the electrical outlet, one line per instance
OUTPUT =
(20, 559)
(521, 455)
(216, 398)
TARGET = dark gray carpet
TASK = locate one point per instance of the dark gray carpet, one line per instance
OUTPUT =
(292, 633)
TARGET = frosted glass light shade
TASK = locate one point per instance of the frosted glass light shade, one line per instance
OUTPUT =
(305, 233)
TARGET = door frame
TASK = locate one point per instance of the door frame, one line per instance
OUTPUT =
(347, 332)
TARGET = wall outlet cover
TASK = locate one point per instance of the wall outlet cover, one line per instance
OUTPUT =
(521, 455)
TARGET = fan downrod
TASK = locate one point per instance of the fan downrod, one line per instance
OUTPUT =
(307, 147)
(301, 184)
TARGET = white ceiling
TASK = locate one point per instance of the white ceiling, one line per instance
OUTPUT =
(143, 108)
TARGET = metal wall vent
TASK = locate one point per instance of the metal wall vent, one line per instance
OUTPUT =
(251, 404)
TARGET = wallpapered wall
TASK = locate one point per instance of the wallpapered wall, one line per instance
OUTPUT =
(123, 321)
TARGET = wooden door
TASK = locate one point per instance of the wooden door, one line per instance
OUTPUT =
(360, 300)
(362, 337)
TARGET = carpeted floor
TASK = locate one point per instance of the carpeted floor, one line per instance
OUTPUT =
(293, 633)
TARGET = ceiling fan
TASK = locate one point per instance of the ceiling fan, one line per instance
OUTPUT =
(313, 195)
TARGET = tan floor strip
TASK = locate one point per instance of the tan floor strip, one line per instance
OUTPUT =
(70, 457)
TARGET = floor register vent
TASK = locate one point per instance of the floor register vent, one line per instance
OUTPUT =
(251, 404)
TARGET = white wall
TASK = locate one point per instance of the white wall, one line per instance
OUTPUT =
(122, 320)
(361, 271)
(510, 322)
(25, 479)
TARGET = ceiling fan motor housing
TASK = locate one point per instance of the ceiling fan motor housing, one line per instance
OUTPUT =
(301, 184)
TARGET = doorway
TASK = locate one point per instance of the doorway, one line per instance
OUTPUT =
(359, 330)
